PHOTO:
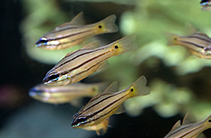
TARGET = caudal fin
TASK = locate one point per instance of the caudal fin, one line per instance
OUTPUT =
(140, 87)
(172, 39)
(108, 25)
(126, 44)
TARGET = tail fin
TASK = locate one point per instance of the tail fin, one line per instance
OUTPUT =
(126, 44)
(140, 87)
(172, 39)
(108, 25)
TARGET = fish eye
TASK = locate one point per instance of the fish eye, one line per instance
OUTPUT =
(209, 120)
(81, 119)
(116, 46)
(100, 26)
(131, 90)
(54, 77)
(42, 40)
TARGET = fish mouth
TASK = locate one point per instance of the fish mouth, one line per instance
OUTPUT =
(74, 123)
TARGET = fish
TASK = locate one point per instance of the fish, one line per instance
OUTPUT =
(103, 105)
(65, 94)
(188, 129)
(198, 44)
(81, 63)
(74, 33)
(206, 5)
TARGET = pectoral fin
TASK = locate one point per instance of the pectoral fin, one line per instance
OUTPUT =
(103, 66)
(121, 109)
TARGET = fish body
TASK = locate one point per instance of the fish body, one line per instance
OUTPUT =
(64, 94)
(206, 5)
(102, 106)
(73, 33)
(189, 130)
(198, 44)
(81, 63)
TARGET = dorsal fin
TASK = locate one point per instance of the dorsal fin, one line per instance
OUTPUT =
(111, 88)
(200, 34)
(188, 119)
(191, 29)
(78, 19)
(92, 45)
(176, 125)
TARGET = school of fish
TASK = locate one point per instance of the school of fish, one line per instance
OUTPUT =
(61, 83)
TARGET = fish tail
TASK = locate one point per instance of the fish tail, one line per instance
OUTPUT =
(172, 39)
(124, 45)
(139, 88)
(107, 25)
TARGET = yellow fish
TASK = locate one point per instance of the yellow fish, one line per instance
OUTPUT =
(81, 63)
(96, 112)
(198, 44)
(73, 33)
(65, 94)
(189, 130)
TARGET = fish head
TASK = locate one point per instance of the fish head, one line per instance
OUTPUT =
(34, 92)
(56, 79)
(207, 51)
(46, 43)
(205, 2)
(39, 94)
(79, 121)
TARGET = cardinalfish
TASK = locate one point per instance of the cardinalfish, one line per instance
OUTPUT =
(206, 5)
(65, 94)
(95, 114)
(81, 63)
(198, 44)
(74, 32)
(189, 130)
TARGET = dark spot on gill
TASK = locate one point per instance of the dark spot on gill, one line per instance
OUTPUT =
(93, 89)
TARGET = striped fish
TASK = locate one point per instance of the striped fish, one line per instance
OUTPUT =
(198, 44)
(206, 5)
(102, 106)
(65, 94)
(189, 130)
(81, 63)
(73, 33)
